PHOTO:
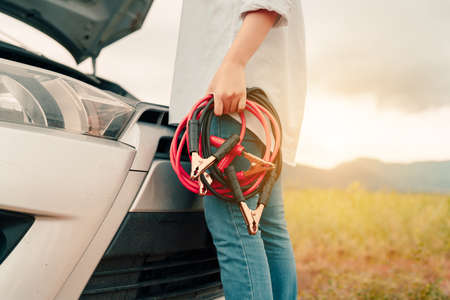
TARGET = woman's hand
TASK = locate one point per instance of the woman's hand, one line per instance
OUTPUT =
(229, 89)
(228, 85)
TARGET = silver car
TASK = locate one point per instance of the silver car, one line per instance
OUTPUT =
(89, 205)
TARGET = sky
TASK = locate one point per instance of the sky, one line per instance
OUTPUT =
(378, 75)
(378, 81)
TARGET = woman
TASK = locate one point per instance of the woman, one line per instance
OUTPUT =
(223, 47)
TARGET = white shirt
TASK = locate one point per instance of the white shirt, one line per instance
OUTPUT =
(207, 30)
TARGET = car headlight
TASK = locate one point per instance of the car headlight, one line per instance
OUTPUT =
(31, 96)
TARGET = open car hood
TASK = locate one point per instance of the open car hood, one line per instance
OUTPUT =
(83, 27)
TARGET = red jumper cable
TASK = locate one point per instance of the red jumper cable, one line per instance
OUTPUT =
(187, 134)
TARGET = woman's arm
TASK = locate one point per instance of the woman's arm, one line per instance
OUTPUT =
(228, 84)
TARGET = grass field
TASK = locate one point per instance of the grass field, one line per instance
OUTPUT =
(355, 244)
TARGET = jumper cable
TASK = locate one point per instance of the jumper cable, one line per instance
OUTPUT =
(212, 174)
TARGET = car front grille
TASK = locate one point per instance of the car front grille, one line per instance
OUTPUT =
(186, 275)
(158, 255)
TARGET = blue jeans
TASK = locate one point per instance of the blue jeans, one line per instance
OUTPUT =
(260, 266)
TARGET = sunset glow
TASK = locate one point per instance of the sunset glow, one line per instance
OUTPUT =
(337, 130)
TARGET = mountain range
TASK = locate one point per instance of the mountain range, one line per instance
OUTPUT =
(416, 177)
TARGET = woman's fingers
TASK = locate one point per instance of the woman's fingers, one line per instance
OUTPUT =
(239, 101)
(242, 102)
(229, 103)
(218, 105)
(235, 104)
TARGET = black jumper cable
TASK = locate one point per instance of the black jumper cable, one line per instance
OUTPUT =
(221, 179)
